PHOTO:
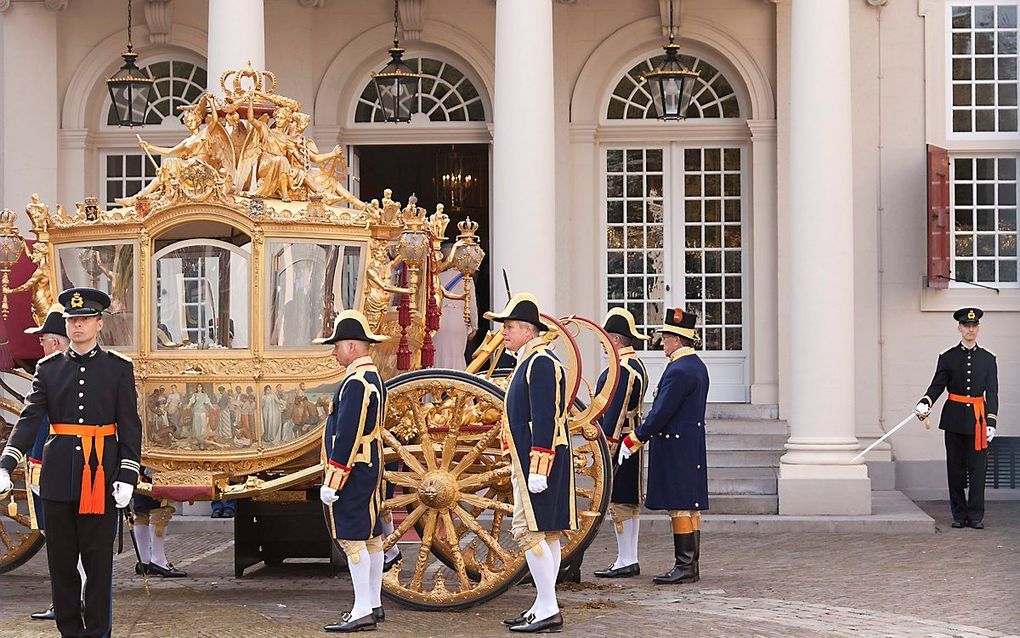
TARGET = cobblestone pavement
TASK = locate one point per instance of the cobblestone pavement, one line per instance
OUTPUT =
(958, 583)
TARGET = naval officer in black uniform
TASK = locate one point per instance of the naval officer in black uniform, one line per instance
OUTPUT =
(536, 436)
(90, 463)
(675, 428)
(969, 417)
(352, 488)
(621, 418)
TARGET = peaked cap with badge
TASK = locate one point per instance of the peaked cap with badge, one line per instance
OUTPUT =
(83, 302)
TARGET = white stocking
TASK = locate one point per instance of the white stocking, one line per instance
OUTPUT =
(144, 542)
(158, 549)
(627, 544)
(543, 571)
(361, 575)
(376, 561)
(635, 524)
(387, 529)
(555, 550)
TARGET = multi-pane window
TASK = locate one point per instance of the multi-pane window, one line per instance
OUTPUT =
(177, 83)
(983, 61)
(984, 194)
(634, 235)
(445, 95)
(713, 253)
(126, 174)
(713, 95)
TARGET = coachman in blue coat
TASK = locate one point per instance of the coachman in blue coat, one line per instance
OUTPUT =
(537, 439)
(352, 488)
(90, 460)
(675, 430)
(970, 374)
(622, 417)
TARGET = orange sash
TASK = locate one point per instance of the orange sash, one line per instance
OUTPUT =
(93, 494)
(980, 425)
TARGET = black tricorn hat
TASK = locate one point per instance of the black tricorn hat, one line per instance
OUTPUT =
(680, 322)
(620, 321)
(54, 324)
(968, 315)
(351, 325)
(83, 302)
(521, 307)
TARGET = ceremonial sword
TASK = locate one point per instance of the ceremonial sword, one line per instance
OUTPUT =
(927, 424)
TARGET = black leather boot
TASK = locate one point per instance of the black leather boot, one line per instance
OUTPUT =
(685, 570)
(697, 554)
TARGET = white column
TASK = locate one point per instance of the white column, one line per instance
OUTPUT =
(29, 106)
(524, 181)
(815, 475)
(237, 36)
(765, 223)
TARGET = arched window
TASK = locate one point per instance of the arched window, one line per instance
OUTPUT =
(713, 97)
(177, 83)
(123, 168)
(446, 94)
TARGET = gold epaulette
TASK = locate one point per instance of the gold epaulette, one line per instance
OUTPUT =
(49, 356)
(121, 355)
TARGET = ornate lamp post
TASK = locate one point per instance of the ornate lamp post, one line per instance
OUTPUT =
(12, 245)
(396, 84)
(130, 87)
(671, 84)
(467, 256)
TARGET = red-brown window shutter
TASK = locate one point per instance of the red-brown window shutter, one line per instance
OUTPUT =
(939, 235)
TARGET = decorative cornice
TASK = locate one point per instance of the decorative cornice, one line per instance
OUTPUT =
(52, 5)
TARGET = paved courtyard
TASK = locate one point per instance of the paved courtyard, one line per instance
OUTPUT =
(951, 583)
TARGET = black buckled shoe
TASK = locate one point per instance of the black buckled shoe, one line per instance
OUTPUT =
(976, 525)
(619, 572)
(348, 625)
(45, 615)
(959, 524)
(685, 570)
(551, 624)
(389, 563)
(379, 614)
(141, 569)
(519, 619)
(166, 572)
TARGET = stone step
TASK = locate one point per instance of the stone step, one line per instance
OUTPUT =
(773, 442)
(743, 503)
(755, 485)
(744, 458)
(742, 411)
(747, 426)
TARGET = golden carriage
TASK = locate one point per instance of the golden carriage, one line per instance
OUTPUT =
(224, 269)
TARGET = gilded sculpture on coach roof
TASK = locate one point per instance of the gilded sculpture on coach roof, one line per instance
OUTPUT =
(378, 284)
(38, 284)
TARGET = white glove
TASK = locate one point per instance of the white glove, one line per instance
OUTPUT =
(921, 410)
(537, 483)
(5, 483)
(328, 495)
(625, 454)
(990, 432)
(122, 493)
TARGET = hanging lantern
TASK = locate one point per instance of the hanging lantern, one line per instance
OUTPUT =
(671, 84)
(130, 87)
(397, 84)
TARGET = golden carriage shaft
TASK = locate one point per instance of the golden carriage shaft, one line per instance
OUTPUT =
(226, 267)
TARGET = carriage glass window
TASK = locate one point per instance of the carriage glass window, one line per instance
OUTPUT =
(110, 268)
(309, 284)
(202, 296)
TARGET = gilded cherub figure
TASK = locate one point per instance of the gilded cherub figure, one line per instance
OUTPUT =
(38, 284)
(379, 287)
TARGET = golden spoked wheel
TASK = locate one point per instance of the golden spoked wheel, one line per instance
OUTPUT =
(18, 541)
(452, 488)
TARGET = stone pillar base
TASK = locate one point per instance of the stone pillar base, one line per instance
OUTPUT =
(824, 490)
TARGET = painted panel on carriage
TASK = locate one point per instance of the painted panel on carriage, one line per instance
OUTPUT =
(110, 268)
(212, 416)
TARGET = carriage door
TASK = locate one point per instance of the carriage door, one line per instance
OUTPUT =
(676, 237)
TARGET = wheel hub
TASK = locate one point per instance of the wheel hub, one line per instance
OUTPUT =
(438, 490)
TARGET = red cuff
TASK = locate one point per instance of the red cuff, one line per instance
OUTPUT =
(632, 442)
(336, 475)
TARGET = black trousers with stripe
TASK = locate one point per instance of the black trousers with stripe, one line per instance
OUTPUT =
(965, 465)
(68, 535)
